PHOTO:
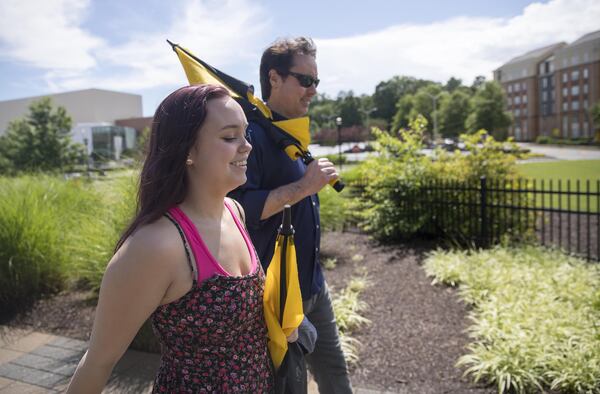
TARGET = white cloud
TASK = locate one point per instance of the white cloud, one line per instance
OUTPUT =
(47, 34)
(220, 32)
(461, 47)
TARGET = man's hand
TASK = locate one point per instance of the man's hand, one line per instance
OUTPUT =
(293, 337)
(318, 174)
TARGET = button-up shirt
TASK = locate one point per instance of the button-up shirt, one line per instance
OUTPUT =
(269, 167)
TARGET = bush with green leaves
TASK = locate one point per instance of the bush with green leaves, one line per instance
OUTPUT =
(400, 182)
(535, 317)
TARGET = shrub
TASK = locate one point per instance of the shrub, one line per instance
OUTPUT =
(38, 217)
(401, 182)
(534, 317)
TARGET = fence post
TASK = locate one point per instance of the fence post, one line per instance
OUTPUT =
(483, 208)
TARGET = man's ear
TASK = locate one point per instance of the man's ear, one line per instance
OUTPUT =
(274, 78)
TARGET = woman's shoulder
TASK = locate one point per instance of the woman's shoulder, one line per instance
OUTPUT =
(157, 242)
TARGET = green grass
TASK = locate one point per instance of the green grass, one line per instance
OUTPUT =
(560, 173)
(39, 217)
(535, 317)
(54, 232)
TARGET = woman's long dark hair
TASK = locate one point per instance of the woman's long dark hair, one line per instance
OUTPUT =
(163, 181)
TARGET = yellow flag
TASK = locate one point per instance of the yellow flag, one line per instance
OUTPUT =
(293, 313)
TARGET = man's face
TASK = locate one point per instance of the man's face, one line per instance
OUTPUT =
(288, 97)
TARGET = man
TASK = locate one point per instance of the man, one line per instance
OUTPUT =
(288, 78)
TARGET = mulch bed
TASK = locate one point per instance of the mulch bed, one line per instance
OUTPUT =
(417, 330)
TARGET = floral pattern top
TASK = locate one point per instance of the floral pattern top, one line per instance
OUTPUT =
(214, 338)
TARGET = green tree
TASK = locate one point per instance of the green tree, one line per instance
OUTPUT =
(349, 109)
(477, 83)
(453, 84)
(40, 141)
(488, 111)
(453, 112)
(387, 93)
(595, 111)
(403, 109)
(423, 103)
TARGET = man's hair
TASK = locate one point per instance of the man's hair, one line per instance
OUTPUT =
(279, 57)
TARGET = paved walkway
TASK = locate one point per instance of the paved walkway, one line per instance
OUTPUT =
(35, 363)
(555, 152)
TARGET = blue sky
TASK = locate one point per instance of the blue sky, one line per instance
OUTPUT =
(49, 46)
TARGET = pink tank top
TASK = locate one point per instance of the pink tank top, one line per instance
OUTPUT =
(206, 265)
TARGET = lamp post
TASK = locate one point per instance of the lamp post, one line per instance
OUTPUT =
(367, 112)
(435, 123)
(338, 122)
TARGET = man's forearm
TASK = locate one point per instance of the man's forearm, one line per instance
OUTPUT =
(278, 198)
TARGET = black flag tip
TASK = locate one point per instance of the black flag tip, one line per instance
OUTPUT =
(172, 45)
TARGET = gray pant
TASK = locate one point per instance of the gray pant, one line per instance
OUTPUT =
(326, 363)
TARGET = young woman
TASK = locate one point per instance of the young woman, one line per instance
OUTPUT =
(186, 259)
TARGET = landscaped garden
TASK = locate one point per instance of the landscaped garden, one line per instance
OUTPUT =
(416, 311)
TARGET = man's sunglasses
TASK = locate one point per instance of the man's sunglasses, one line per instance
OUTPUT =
(306, 81)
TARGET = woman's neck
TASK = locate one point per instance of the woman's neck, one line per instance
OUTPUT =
(204, 204)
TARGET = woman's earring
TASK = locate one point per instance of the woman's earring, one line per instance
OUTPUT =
(189, 162)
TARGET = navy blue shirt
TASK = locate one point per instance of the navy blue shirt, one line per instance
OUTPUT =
(269, 167)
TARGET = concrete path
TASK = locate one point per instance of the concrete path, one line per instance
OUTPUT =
(555, 152)
(37, 363)
(33, 362)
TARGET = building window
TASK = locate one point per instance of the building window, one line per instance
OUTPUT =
(510, 88)
(517, 87)
(585, 104)
(544, 96)
(565, 77)
(517, 100)
(517, 112)
(575, 128)
(565, 92)
(575, 90)
(565, 106)
(551, 67)
(565, 126)
(524, 111)
(524, 87)
(585, 73)
(575, 105)
(525, 99)
(544, 82)
(585, 88)
(509, 101)
(574, 75)
(553, 95)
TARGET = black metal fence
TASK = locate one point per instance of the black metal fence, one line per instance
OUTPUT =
(553, 213)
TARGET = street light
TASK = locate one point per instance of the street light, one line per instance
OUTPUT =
(435, 123)
(338, 122)
(367, 112)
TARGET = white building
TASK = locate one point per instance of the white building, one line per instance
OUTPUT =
(94, 113)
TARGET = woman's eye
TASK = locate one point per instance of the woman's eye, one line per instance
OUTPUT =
(229, 139)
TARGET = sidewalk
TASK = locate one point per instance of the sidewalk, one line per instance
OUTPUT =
(35, 363)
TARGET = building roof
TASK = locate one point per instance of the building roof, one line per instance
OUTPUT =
(70, 92)
(595, 35)
(536, 54)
